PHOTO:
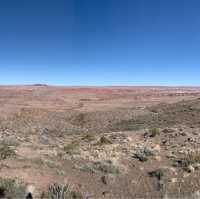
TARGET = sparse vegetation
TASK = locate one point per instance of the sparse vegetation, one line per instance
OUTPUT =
(57, 191)
(188, 159)
(71, 148)
(80, 120)
(11, 189)
(168, 116)
(157, 174)
(88, 137)
(58, 137)
(38, 162)
(154, 132)
(104, 140)
(103, 167)
(144, 152)
(10, 141)
(6, 151)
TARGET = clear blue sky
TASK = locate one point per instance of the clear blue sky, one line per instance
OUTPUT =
(100, 42)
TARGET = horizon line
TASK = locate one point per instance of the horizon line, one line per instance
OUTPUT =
(96, 86)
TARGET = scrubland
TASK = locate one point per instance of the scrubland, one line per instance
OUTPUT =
(99, 142)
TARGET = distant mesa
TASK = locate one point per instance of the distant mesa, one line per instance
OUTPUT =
(40, 85)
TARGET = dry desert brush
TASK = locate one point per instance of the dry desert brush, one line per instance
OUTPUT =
(6, 151)
(11, 189)
(100, 167)
(57, 191)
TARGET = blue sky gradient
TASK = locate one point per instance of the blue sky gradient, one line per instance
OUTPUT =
(100, 42)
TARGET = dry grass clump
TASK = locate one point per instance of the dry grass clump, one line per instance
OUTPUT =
(154, 132)
(10, 141)
(104, 140)
(157, 174)
(57, 191)
(6, 151)
(100, 167)
(88, 137)
(190, 158)
(71, 148)
(10, 189)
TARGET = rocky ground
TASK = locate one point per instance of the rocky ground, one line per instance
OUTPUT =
(121, 142)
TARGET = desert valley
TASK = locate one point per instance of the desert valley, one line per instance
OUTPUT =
(99, 142)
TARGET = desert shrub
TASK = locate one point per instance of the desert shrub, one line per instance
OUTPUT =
(193, 157)
(189, 159)
(88, 137)
(157, 174)
(57, 191)
(71, 148)
(154, 132)
(104, 167)
(104, 140)
(6, 151)
(143, 153)
(10, 189)
(10, 141)
(38, 162)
